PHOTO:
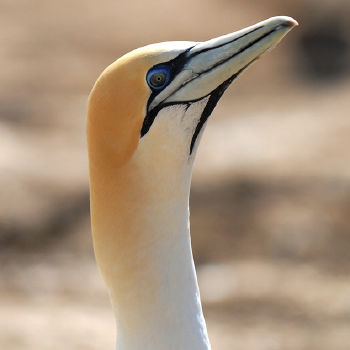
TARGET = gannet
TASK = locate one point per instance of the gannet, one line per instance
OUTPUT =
(146, 115)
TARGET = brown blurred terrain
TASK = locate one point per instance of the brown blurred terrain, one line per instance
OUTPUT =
(270, 200)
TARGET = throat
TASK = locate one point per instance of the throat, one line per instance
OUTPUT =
(161, 309)
(209, 107)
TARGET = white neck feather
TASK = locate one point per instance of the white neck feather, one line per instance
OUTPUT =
(167, 315)
(145, 253)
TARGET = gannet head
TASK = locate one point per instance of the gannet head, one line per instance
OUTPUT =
(155, 100)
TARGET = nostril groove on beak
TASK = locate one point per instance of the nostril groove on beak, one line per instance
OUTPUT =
(250, 44)
(223, 44)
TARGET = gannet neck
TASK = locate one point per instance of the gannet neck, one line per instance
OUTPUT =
(158, 305)
(140, 220)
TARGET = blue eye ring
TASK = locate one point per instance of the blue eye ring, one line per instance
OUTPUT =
(158, 77)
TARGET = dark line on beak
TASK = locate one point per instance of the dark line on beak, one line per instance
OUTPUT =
(240, 51)
(221, 45)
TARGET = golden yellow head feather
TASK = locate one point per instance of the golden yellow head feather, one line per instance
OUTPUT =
(116, 110)
(118, 101)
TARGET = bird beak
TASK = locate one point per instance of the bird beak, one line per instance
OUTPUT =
(216, 62)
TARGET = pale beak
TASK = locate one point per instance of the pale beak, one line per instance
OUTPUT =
(218, 61)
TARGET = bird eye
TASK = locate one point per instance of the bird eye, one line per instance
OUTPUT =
(157, 78)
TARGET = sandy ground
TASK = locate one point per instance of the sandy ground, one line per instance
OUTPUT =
(271, 189)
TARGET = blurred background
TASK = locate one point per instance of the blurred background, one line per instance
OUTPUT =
(270, 201)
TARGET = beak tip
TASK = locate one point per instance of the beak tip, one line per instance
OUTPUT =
(289, 21)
